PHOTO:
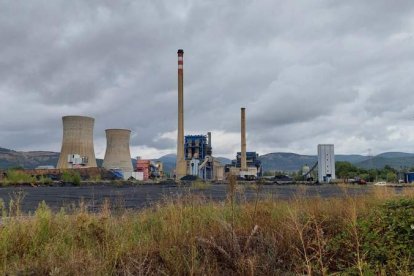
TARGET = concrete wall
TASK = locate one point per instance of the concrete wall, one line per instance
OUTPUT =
(117, 153)
(77, 139)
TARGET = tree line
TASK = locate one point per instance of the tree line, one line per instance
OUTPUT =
(346, 170)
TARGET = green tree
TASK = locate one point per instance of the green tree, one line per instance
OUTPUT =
(391, 176)
(346, 170)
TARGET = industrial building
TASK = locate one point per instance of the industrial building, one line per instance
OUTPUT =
(198, 154)
(409, 177)
(326, 163)
(117, 155)
(149, 169)
(197, 148)
(252, 163)
(77, 143)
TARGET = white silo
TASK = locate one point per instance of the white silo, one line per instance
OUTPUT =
(326, 163)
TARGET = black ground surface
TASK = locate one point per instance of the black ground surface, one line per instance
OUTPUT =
(139, 196)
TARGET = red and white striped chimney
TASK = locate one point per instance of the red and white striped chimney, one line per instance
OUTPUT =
(181, 165)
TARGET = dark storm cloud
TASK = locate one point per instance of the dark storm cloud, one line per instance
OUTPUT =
(308, 72)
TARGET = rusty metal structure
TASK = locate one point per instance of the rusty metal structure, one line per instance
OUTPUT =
(77, 139)
(117, 153)
(144, 166)
(150, 169)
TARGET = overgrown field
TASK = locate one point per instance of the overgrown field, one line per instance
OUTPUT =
(365, 235)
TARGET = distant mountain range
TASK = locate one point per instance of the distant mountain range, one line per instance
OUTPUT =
(286, 161)
(278, 161)
(30, 159)
(293, 162)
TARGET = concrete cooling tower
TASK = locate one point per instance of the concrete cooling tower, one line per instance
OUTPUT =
(117, 153)
(77, 142)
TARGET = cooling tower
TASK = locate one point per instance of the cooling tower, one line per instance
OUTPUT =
(117, 153)
(77, 139)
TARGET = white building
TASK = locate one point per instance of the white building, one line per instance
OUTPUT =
(326, 163)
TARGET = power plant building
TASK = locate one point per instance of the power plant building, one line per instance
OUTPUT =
(198, 155)
(252, 162)
(117, 155)
(77, 143)
(197, 146)
(326, 163)
(149, 169)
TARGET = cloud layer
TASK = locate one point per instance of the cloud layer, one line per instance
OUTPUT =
(308, 72)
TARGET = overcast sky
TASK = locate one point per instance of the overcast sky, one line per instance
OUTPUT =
(308, 72)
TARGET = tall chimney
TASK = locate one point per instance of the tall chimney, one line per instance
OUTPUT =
(181, 166)
(243, 140)
(209, 138)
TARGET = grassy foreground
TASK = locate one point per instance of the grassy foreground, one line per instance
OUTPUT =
(364, 235)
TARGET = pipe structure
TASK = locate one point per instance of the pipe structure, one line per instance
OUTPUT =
(77, 139)
(243, 140)
(118, 155)
(209, 138)
(181, 165)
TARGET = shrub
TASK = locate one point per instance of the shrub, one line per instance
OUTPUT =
(388, 237)
(18, 177)
(192, 235)
(71, 177)
(45, 180)
(200, 185)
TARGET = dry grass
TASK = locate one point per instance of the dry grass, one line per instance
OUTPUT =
(194, 236)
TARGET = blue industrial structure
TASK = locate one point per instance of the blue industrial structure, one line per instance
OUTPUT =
(196, 146)
(198, 152)
(116, 174)
(409, 177)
